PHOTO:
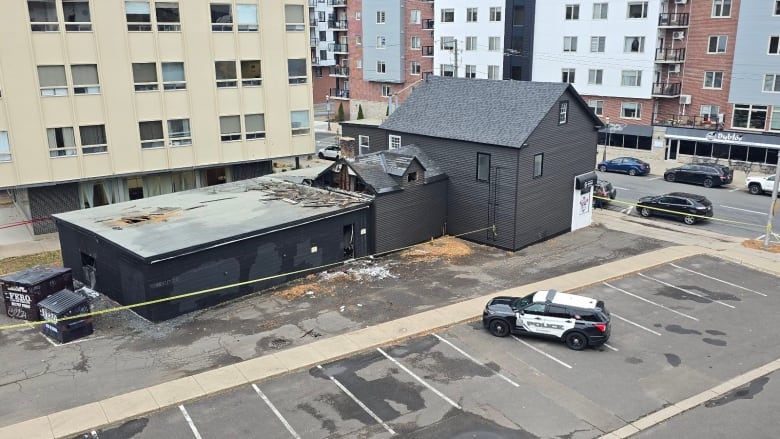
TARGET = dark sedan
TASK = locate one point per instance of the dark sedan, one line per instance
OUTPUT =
(705, 175)
(626, 165)
(691, 208)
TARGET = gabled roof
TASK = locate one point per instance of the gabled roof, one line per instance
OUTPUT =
(486, 111)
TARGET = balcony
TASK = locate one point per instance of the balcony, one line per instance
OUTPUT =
(315, 60)
(339, 93)
(339, 71)
(338, 48)
(705, 122)
(312, 3)
(337, 24)
(427, 50)
(427, 24)
(313, 42)
(666, 89)
(338, 3)
(672, 20)
(669, 55)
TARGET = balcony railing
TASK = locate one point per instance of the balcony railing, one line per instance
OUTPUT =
(312, 3)
(333, 47)
(666, 89)
(706, 122)
(313, 42)
(427, 50)
(427, 24)
(315, 60)
(337, 24)
(675, 19)
(312, 21)
(340, 71)
(339, 93)
(669, 55)
(337, 3)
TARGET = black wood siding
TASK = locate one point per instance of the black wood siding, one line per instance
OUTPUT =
(377, 137)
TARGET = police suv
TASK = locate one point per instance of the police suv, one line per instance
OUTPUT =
(578, 321)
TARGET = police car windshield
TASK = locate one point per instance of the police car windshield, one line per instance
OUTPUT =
(522, 302)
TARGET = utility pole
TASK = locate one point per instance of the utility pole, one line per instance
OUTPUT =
(609, 131)
(773, 206)
(455, 48)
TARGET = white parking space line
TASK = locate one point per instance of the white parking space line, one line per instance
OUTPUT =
(627, 210)
(635, 324)
(420, 380)
(686, 291)
(744, 210)
(611, 347)
(734, 190)
(542, 352)
(189, 421)
(621, 188)
(655, 178)
(719, 280)
(358, 402)
(651, 302)
(276, 412)
(476, 361)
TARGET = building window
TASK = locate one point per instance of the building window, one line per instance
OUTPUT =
(572, 12)
(563, 112)
(483, 167)
(717, 44)
(414, 68)
(447, 70)
(145, 76)
(415, 17)
(772, 83)
(167, 14)
(359, 39)
(631, 110)
(597, 106)
(410, 177)
(380, 17)
(293, 18)
(634, 45)
(494, 44)
(251, 74)
(358, 63)
(637, 10)
(226, 74)
(569, 44)
(381, 67)
(179, 133)
(774, 44)
(471, 15)
(774, 126)
(363, 144)
(296, 71)
(76, 15)
(381, 42)
(598, 44)
(471, 43)
(631, 78)
(538, 165)
(567, 75)
(386, 90)
(710, 112)
(358, 15)
(713, 80)
(246, 16)
(448, 15)
(229, 128)
(416, 43)
(749, 116)
(43, 15)
(255, 126)
(721, 8)
(777, 7)
(394, 141)
(447, 43)
(471, 71)
(52, 80)
(299, 121)
(493, 72)
(5, 147)
(600, 11)
(495, 13)
(93, 139)
(85, 79)
(221, 17)
(173, 76)
(151, 134)
(595, 76)
(61, 141)
(138, 15)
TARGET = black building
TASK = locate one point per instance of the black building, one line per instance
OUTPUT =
(519, 39)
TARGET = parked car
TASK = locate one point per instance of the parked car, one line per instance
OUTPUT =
(626, 165)
(332, 152)
(578, 321)
(605, 190)
(760, 184)
(691, 208)
(708, 175)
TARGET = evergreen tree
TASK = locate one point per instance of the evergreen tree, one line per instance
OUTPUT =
(340, 114)
(360, 112)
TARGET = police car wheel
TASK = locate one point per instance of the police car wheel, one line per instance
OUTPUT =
(576, 341)
(499, 328)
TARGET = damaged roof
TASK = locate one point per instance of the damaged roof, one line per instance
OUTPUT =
(174, 222)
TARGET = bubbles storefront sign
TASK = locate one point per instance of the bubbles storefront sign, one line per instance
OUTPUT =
(725, 137)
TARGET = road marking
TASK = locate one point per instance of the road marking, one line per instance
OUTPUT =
(276, 412)
(744, 210)
(621, 188)
(611, 347)
(627, 210)
(686, 291)
(359, 402)
(719, 280)
(655, 178)
(189, 421)
(636, 324)
(476, 361)
(734, 190)
(420, 380)
(651, 302)
(542, 352)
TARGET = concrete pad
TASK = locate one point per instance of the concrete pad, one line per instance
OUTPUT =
(129, 404)
(624, 432)
(336, 347)
(176, 391)
(37, 428)
(696, 400)
(656, 417)
(223, 378)
(300, 357)
(73, 421)
(261, 368)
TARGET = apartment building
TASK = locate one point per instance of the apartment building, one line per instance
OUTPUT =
(106, 101)
(329, 54)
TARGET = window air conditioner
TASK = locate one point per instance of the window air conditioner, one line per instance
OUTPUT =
(685, 99)
(678, 35)
(674, 68)
(721, 117)
(680, 2)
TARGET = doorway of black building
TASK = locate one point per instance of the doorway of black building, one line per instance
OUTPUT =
(348, 241)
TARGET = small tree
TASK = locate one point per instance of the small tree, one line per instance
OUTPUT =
(387, 112)
(340, 114)
(360, 112)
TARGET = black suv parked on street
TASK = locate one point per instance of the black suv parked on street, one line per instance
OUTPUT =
(707, 175)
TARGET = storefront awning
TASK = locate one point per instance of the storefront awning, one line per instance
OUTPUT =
(631, 130)
(727, 137)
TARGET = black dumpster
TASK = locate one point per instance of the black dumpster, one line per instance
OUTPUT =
(24, 289)
(64, 304)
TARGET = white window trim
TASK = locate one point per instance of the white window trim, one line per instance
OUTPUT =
(393, 141)
(714, 75)
(638, 109)
(725, 49)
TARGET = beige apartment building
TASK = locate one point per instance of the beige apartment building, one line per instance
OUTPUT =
(104, 101)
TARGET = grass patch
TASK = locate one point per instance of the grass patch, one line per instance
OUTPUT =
(18, 263)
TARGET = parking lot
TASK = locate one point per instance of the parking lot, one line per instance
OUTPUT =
(677, 330)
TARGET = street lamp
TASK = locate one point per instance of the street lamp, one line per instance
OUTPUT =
(327, 107)
(609, 131)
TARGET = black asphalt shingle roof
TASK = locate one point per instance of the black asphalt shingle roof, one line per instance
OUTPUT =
(487, 111)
